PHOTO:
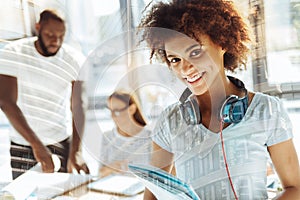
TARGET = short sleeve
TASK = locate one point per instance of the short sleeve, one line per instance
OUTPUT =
(8, 62)
(280, 125)
(162, 130)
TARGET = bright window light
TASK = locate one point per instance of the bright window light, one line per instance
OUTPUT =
(104, 7)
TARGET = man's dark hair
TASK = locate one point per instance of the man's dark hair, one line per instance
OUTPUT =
(50, 14)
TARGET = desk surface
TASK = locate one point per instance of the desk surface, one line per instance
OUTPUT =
(83, 193)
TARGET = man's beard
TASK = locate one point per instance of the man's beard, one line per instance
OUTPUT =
(44, 48)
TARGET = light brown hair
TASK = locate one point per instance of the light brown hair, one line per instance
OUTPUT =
(129, 99)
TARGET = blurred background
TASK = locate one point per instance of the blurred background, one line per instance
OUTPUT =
(103, 31)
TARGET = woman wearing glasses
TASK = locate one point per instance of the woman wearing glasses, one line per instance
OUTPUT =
(130, 140)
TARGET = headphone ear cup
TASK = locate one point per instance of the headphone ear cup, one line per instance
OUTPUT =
(238, 112)
(233, 110)
(226, 109)
(190, 111)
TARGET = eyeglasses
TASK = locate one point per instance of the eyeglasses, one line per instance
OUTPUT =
(117, 112)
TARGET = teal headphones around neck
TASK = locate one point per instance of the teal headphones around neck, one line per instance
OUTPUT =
(232, 111)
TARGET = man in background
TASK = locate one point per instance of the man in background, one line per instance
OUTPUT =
(39, 91)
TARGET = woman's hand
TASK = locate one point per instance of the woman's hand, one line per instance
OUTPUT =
(115, 167)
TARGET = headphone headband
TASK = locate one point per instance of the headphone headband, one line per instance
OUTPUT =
(237, 82)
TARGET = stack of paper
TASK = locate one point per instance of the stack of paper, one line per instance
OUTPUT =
(44, 185)
(35, 183)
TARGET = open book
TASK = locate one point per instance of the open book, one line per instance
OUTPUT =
(162, 184)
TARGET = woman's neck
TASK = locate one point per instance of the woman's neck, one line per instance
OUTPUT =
(211, 102)
(131, 130)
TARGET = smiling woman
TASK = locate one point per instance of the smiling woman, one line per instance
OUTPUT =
(222, 159)
(273, 69)
(193, 63)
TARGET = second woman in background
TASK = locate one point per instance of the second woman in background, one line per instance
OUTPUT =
(130, 140)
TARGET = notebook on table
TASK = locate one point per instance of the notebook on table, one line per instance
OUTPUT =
(162, 184)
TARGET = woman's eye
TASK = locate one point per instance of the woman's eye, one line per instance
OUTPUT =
(195, 53)
(174, 60)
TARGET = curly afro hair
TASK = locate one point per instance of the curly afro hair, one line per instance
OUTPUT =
(218, 19)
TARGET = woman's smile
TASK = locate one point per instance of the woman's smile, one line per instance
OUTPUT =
(194, 79)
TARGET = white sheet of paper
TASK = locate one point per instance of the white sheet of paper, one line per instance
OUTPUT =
(44, 185)
(118, 184)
